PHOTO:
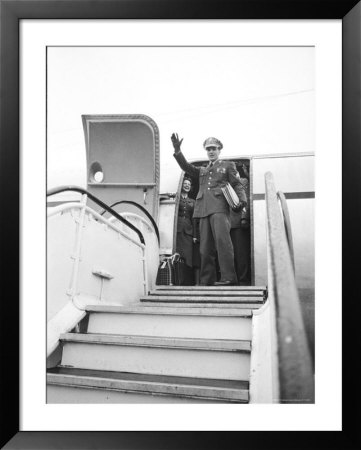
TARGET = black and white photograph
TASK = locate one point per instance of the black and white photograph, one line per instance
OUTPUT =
(180, 224)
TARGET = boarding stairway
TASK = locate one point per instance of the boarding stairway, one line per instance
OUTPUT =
(177, 344)
(107, 342)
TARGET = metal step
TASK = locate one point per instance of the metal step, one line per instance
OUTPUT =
(151, 341)
(200, 358)
(184, 310)
(204, 304)
(114, 387)
(212, 288)
(209, 292)
(201, 299)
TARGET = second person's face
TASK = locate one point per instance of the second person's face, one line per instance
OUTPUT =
(186, 186)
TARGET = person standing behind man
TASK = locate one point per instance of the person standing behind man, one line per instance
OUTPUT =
(240, 235)
(213, 210)
(185, 231)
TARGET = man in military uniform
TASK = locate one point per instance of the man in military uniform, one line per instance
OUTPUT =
(213, 210)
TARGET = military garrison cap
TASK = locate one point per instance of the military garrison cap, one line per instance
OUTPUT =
(212, 142)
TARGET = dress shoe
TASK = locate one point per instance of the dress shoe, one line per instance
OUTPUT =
(225, 283)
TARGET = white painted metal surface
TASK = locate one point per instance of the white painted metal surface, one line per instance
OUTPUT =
(61, 395)
(175, 325)
(151, 245)
(293, 172)
(61, 241)
(81, 246)
(124, 148)
(261, 357)
(180, 362)
(264, 382)
(166, 226)
(65, 320)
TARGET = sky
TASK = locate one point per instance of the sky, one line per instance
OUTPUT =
(256, 100)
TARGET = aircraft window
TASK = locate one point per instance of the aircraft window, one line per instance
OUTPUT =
(96, 172)
(98, 177)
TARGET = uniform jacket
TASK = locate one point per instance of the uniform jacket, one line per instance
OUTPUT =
(185, 215)
(210, 198)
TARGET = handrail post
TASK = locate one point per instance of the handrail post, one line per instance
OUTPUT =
(77, 250)
(295, 369)
(145, 272)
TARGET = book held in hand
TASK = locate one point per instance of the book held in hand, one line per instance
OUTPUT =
(231, 196)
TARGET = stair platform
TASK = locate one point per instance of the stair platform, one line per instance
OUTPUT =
(249, 297)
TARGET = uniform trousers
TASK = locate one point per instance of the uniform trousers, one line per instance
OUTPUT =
(242, 249)
(215, 239)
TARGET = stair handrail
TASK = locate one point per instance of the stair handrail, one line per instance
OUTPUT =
(129, 202)
(287, 223)
(294, 364)
(96, 200)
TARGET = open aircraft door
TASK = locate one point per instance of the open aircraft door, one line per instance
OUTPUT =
(123, 161)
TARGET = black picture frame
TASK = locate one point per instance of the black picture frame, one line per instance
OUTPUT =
(12, 11)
